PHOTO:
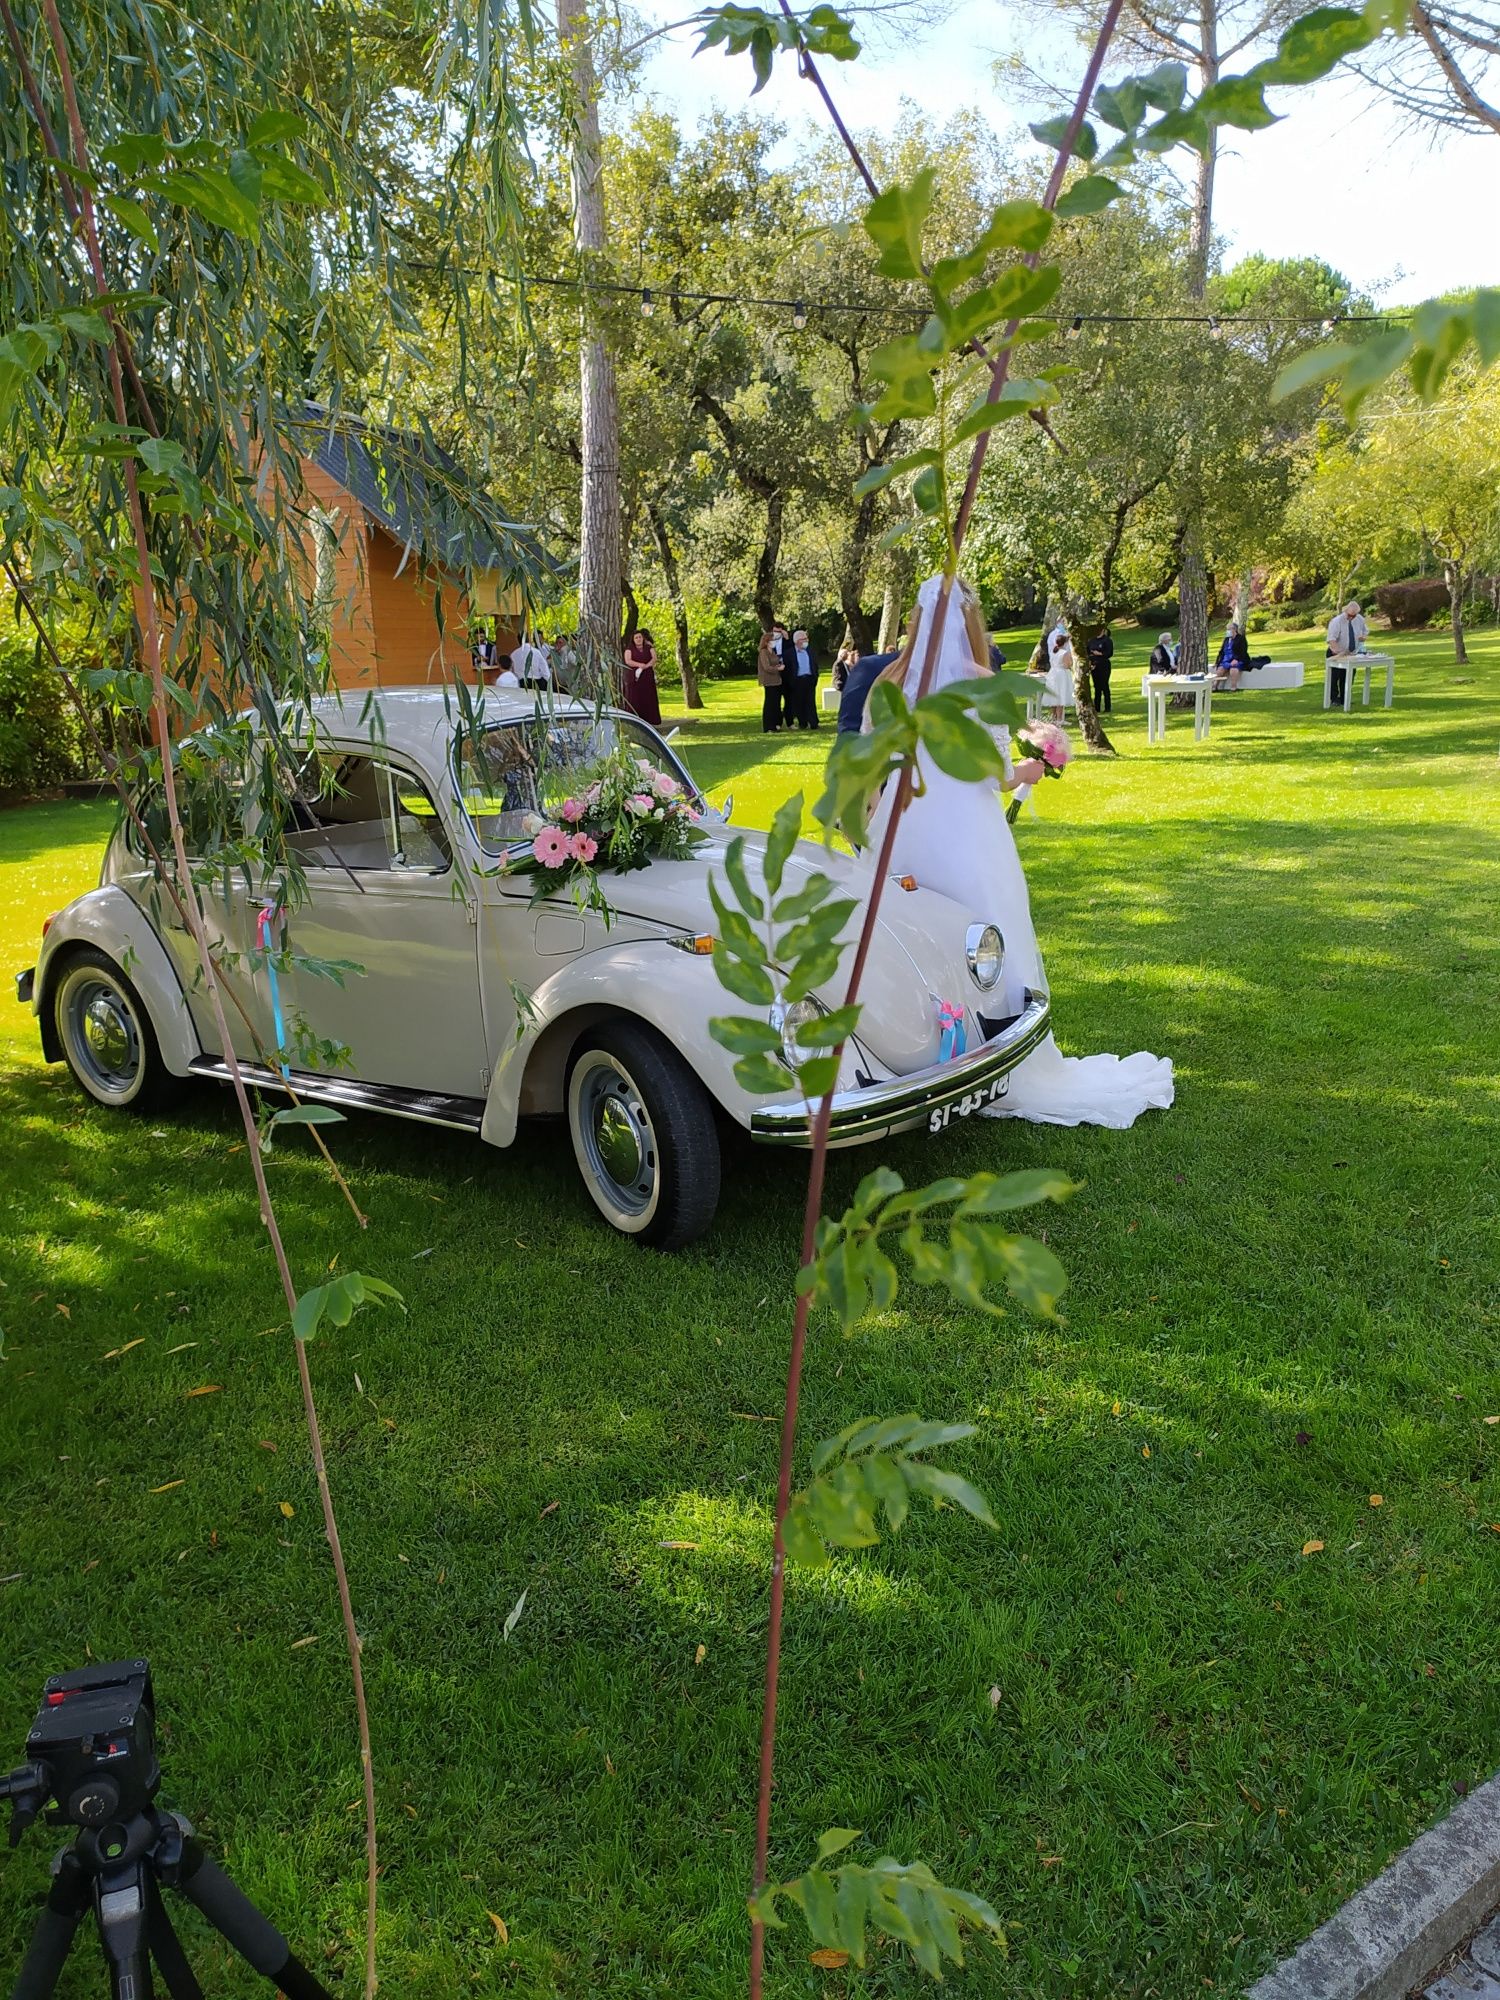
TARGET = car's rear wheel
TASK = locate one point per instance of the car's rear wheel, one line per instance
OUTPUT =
(107, 1038)
(643, 1135)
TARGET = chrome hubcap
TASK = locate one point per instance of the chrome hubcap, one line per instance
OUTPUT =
(618, 1142)
(616, 1135)
(103, 1038)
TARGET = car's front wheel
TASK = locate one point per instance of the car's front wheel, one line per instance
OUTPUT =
(643, 1135)
(107, 1037)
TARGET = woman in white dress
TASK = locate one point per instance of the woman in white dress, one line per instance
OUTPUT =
(954, 837)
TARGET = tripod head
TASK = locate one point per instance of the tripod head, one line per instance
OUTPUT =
(92, 1749)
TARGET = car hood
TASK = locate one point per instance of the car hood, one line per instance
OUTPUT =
(917, 957)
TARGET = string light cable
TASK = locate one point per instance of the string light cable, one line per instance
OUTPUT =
(1071, 322)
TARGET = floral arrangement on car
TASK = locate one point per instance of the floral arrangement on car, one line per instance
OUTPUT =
(1048, 743)
(625, 813)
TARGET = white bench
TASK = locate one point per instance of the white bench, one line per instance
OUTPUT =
(1350, 664)
(1279, 675)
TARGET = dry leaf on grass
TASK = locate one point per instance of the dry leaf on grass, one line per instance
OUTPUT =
(266, 1444)
(1311, 1548)
(115, 1352)
(1492, 1420)
(167, 1486)
(700, 1656)
(205, 1389)
(1377, 1499)
(677, 1545)
(502, 1932)
(289, 1510)
(310, 1640)
(827, 1959)
(550, 1508)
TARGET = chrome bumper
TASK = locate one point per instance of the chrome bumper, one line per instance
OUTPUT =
(931, 1096)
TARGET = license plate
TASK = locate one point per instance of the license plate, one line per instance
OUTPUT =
(967, 1105)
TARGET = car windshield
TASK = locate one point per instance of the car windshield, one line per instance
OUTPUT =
(517, 768)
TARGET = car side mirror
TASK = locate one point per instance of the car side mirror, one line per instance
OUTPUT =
(726, 811)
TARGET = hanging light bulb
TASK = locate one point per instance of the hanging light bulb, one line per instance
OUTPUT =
(1077, 326)
(1330, 324)
(648, 303)
(799, 315)
(1214, 327)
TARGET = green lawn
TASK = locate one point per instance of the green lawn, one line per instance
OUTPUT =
(1284, 1301)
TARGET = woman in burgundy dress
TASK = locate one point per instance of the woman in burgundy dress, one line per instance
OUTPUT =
(639, 693)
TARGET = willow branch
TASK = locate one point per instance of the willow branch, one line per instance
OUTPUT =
(148, 618)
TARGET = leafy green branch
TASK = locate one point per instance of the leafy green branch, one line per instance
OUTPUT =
(903, 1901)
(875, 1465)
(949, 1232)
(763, 34)
(773, 951)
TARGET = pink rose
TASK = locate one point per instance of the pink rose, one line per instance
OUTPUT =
(572, 810)
(551, 847)
(639, 804)
(583, 847)
(664, 785)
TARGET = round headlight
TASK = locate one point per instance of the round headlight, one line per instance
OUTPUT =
(985, 950)
(787, 1016)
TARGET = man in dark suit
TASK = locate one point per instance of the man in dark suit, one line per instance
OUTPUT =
(799, 683)
(862, 677)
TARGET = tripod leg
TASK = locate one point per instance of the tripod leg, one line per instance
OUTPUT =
(67, 1900)
(236, 1918)
(166, 1948)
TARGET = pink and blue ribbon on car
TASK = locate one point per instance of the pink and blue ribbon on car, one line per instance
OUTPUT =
(263, 925)
(954, 1035)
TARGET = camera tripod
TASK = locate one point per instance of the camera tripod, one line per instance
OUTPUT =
(92, 1748)
(119, 1871)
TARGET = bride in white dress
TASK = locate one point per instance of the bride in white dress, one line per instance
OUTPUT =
(954, 837)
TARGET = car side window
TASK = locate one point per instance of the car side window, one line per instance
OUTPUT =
(366, 815)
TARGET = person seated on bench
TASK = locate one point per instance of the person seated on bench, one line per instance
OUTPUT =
(1163, 656)
(1234, 659)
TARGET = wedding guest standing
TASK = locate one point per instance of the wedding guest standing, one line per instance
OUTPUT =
(769, 669)
(1059, 673)
(1101, 665)
(800, 684)
(639, 692)
(1347, 633)
(530, 663)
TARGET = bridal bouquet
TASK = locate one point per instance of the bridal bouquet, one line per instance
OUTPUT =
(626, 814)
(1048, 743)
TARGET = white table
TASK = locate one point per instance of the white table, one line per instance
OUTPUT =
(1159, 686)
(1351, 663)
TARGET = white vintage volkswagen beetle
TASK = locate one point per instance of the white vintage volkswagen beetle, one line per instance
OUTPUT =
(403, 861)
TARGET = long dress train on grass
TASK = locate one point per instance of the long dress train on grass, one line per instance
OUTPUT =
(954, 837)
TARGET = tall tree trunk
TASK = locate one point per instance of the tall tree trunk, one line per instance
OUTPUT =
(1455, 579)
(1242, 595)
(599, 564)
(892, 606)
(1192, 598)
(770, 557)
(1083, 688)
(863, 629)
(1192, 577)
(668, 556)
(631, 610)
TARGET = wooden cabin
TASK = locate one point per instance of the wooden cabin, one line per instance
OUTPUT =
(386, 539)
